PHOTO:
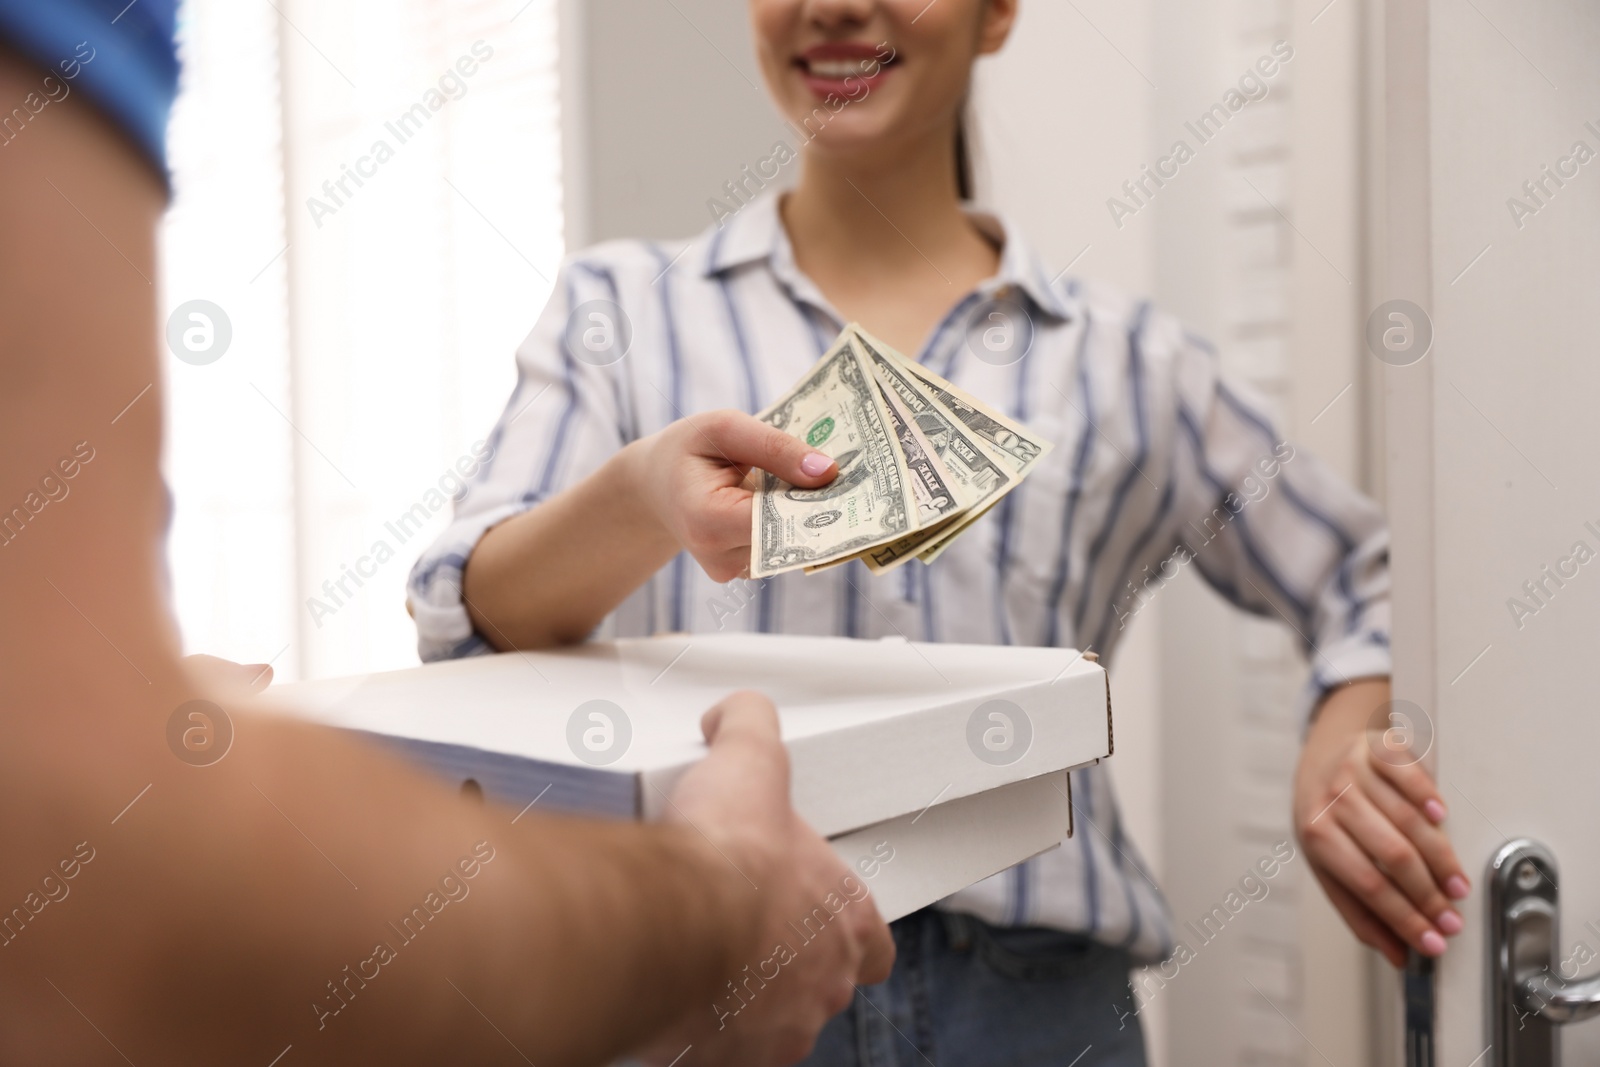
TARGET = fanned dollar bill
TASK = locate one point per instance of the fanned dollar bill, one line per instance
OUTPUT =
(1008, 440)
(979, 473)
(919, 460)
(940, 498)
(1022, 448)
(837, 409)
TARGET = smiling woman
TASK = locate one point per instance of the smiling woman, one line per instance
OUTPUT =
(627, 510)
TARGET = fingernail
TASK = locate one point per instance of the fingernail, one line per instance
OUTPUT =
(1434, 810)
(1457, 887)
(815, 464)
(1450, 922)
(1432, 944)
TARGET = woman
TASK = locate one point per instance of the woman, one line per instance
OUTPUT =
(618, 495)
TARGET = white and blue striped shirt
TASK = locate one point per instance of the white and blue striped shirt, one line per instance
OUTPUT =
(1158, 462)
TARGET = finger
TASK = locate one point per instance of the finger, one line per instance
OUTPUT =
(728, 564)
(843, 992)
(1431, 841)
(740, 715)
(749, 442)
(744, 719)
(216, 672)
(1367, 927)
(711, 724)
(877, 945)
(1397, 856)
(1415, 784)
(720, 529)
(1344, 860)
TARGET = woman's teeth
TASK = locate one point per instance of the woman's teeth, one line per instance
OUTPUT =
(838, 68)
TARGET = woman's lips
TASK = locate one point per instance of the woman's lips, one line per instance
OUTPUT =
(847, 71)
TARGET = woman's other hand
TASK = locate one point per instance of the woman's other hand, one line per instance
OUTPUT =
(1369, 814)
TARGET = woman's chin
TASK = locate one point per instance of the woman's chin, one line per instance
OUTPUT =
(845, 139)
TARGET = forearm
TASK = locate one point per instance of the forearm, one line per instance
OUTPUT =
(82, 510)
(550, 575)
(222, 902)
(241, 907)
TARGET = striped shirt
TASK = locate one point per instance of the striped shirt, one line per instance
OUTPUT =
(1159, 463)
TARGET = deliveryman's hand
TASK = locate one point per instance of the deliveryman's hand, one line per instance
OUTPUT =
(819, 932)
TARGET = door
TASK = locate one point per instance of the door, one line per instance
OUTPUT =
(1490, 221)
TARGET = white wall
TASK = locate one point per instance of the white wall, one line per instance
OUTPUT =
(673, 106)
(1258, 247)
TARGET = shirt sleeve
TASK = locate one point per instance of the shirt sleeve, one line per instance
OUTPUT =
(1276, 531)
(564, 419)
(122, 55)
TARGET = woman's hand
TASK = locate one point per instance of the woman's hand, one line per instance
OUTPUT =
(549, 576)
(1369, 817)
(694, 478)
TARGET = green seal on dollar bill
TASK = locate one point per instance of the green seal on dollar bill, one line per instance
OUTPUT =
(820, 431)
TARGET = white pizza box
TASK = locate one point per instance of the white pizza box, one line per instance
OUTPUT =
(875, 730)
(915, 860)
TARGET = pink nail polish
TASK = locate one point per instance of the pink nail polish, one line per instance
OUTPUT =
(815, 464)
(1432, 944)
(1457, 887)
(1434, 810)
(1450, 922)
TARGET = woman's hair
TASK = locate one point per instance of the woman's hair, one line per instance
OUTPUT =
(964, 155)
(964, 181)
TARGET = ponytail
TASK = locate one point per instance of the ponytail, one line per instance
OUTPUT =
(964, 182)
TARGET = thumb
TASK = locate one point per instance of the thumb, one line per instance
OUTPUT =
(749, 442)
(743, 729)
(741, 716)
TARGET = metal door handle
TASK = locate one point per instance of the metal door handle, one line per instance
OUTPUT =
(1570, 1003)
(1530, 997)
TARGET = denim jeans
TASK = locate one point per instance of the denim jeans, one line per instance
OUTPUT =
(967, 994)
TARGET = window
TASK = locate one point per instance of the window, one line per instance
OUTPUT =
(371, 195)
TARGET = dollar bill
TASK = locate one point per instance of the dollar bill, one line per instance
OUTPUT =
(1016, 446)
(1021, 447)
(920, 460)
(937, 493)
(978, 469)
(837, 409)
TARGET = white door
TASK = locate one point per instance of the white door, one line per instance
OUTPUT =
(1491, 221)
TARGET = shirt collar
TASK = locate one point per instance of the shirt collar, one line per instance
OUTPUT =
(756, 233)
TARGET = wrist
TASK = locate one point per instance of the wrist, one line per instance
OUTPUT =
(1347, 708)
(1338, 721)
(728, 870)
(631, 487)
